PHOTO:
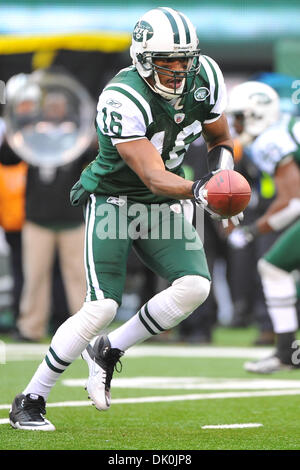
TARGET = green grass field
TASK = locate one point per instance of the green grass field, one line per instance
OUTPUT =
(182, 394)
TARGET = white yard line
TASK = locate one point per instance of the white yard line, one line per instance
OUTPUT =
(217, 426)
(4, 421)
(21, 352)
(161, 399)
(193, 383)
(232, 426)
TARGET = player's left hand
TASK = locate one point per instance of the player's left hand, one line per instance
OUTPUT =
(242, 236)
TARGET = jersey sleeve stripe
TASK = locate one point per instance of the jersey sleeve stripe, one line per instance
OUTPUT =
(211, 79)
(136, 98)
(220, 80)
(215, 78)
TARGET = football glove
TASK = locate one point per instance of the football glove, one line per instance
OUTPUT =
(199, 193)
(240, 237)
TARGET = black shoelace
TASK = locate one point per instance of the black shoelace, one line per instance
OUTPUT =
(33, 409)
(113, 361)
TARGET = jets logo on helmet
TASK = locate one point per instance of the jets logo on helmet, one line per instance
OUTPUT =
(164, 33)
(260, 98)
(142, 32)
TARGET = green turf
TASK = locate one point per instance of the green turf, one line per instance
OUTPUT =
(164, 425)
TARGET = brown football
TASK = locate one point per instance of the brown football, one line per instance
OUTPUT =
(228, 193)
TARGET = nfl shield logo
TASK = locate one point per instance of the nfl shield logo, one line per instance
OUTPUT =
(179, 117)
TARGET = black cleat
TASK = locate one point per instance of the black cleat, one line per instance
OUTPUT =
(102, 360)
(27, 412)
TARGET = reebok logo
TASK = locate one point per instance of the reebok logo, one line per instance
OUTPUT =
(115, 200)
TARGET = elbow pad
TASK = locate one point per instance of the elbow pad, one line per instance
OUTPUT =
(221, 157)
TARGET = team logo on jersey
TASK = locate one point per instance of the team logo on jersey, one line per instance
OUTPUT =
(113, 103)
(139, 31)
(179, 117)
(201, 93)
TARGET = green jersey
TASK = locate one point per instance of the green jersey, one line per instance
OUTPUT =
(128, 109)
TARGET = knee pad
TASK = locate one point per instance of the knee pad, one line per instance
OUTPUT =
(94, 316)
(281, 295)
(168, 308)
(277, 283)
(190, 291)
(271, 273)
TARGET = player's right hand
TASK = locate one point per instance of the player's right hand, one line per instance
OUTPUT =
(199, 190)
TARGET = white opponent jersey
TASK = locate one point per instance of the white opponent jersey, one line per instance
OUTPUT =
(280, 140)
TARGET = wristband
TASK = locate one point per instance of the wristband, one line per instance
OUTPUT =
(221, 157)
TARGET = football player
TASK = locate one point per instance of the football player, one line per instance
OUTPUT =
(272, 140)
(147, 116)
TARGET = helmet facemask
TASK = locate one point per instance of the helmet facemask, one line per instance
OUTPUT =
(178, 77)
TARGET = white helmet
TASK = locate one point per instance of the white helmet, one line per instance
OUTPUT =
(20, 88)
(258, 103)
(160, 33)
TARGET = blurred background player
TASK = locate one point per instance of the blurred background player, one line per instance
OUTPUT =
(13, 173)
(272, 140)
(248, 302)
(40, 129)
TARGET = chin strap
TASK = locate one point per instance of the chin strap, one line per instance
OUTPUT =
(164, 91)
